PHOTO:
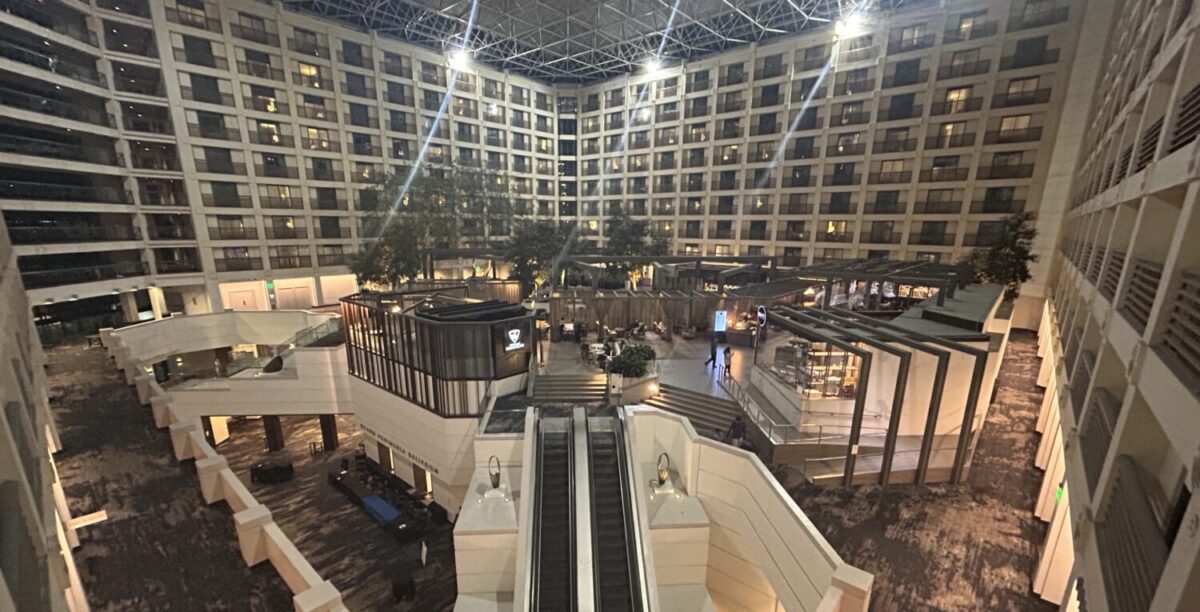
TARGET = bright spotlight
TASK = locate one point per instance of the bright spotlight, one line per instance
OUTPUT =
(653, 64)
(849, 26)
(459, 58)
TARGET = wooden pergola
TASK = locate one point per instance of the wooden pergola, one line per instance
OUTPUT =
(619, 308)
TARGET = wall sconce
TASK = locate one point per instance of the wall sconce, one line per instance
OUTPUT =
(664, 468)
(494, 472)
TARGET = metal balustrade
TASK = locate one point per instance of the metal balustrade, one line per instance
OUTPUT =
(1071, 346)
(172, 266)
(53, 234)
(1133, 549)
(1007, 99)
(1181, 336)
(1139, 292)
(31, 190)
(238, 264)
(17, 53)
(38, 279)
(1096, 433)
(1187, 124)
(1112, 274)
(1081, 380)
(24, 100)
(1095, 263)
(1149, 145)
(1041, 18)
(1123, 164)
(40, 147)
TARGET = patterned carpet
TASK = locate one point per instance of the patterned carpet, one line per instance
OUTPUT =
(338, 538)
(162, 547)
(968, 547)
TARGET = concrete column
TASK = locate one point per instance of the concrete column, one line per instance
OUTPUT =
(64, 514)
(274, 432)
(1058, 556)
(216, 303)
(318, 291)
(206, 426)
(158, 302)
(329, 433)
(222, 356)
(129, 306)
(249, 525)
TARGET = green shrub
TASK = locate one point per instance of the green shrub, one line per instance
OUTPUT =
(643, 351)
(629, 364)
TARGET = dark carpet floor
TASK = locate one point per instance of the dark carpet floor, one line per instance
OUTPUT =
(338, 538)
(162, 548)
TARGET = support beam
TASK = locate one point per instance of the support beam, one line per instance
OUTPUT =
(972, 392)
(860, 394)
(329, 432)
(935, 397)
(889, 444)
(273, 430)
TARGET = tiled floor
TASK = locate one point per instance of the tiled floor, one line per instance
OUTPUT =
(162, 547)
(952, 547)
(340, 541)
(681, 361)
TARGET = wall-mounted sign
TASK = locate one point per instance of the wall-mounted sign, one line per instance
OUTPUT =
(515, 338)
(720, 320)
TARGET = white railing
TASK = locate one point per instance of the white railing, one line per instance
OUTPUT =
(259, 537)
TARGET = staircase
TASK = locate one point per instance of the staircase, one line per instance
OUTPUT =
(707, 413)
(572, 389)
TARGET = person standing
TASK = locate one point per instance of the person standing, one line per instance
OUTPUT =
(728, 361)
(737, 432)
(712, 352)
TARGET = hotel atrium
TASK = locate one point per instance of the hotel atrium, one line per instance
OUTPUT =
(498, 305)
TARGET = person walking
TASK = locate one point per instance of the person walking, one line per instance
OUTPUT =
(737, 432)
(728, 361)
(712, 353)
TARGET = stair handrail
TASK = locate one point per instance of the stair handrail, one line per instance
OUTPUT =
(533, 374)
(751, 409)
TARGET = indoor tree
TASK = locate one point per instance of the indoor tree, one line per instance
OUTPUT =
(532, 249)
(627, 237)
(443, 207)
(1005, 259)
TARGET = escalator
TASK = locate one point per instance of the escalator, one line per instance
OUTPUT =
(616, 556)
(554, 587)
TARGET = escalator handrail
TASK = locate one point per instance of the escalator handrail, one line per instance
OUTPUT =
(633, 535)
(535, 528)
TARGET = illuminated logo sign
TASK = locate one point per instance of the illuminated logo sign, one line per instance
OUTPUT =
(515, 343)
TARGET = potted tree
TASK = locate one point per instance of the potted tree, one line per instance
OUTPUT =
(631, 372)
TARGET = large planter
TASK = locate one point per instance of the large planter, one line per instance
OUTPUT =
(637, 390)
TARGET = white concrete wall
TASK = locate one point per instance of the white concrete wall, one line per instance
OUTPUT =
(444, 446)
(335, 287)
(153, 341)
(313, 381)
(764, 553)
(244, 296)
(485, 535)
